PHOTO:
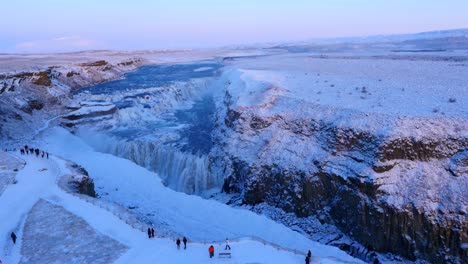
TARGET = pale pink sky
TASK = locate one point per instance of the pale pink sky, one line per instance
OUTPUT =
(57, 25)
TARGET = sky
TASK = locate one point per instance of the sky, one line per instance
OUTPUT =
(70, 25)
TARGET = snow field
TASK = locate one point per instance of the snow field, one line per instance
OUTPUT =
(383, 86)
(52, 234)
(8, 168)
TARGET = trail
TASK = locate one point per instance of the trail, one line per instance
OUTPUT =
(45, 126)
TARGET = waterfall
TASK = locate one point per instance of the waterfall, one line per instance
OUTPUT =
(181, 171)
(164, 124)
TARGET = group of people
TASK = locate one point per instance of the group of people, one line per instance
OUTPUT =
(28, 150)
(183, 240)
(150, 232)
(211, 249)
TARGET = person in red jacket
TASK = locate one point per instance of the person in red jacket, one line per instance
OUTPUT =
(211, 250)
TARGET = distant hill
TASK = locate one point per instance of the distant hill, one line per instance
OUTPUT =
(431, 41)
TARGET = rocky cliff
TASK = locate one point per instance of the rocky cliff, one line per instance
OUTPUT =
(394, 184)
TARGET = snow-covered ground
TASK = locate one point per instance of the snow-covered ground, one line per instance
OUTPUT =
(9, 165)
(203, 222)
(51, 234)
(385, 86)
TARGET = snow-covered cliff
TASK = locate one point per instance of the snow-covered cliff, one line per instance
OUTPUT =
(395, 183)
(31, 96)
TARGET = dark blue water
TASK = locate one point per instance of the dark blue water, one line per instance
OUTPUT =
(201, 121)
(154, 76)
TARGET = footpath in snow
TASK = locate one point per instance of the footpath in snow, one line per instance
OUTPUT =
(198, 219)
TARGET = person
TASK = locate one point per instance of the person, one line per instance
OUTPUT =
(152, 232)
(227, 245)
(307, 259)
(211, 250)
(43, 153)
(149, 232)
(13, 237)
(185, 242)
(309, 254)
(178, 243)
(22, 151)
(47, 153)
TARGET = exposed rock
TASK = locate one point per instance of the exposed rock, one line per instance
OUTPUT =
(383, 167)
(95, 63)
(36, 104)
(424, 149)
(126, 63)
(42, 78)
(72, 73)
(91, 111)
(4, 87)
(81, 182)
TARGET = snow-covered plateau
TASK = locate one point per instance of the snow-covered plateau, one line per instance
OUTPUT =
(357, 151)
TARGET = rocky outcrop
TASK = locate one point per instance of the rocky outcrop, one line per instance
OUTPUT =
(398, 186)
(79, 181)
(95, 63)
(90, 73)
(91, 111)
(423, 149)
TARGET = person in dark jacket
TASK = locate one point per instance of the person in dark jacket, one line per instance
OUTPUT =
(227, 245)
(178, 243)
(211, 250)
(309, 254)
(13, 237)
(152, 232)
(185, 242)
(149, 232)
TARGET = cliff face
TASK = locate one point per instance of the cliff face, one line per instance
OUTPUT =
(396, 185)
(28, 98)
